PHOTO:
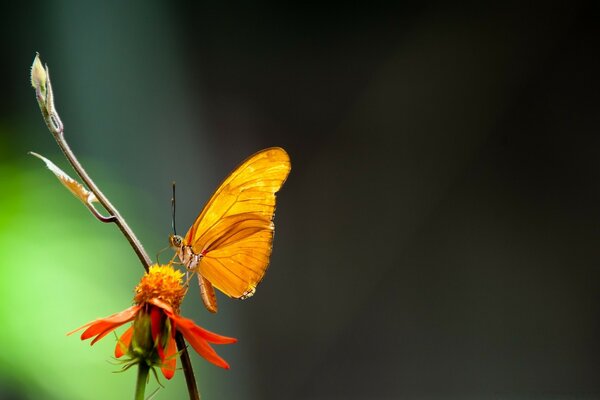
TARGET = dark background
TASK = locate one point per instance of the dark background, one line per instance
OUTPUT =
(438, 236)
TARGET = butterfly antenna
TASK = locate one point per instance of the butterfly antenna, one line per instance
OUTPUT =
(173, 211)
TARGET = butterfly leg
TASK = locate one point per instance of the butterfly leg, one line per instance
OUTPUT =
(188, 276)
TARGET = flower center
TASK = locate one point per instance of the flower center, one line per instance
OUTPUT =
(161, 282)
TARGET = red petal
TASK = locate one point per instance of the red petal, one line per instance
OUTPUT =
(103, 326)
(203, 348)
(211, 336)
(199, 331)
(196, 336)
(124, 342)
(125, 314)
(170, 360)
(156, 327)
(161, 304)
(199, 343)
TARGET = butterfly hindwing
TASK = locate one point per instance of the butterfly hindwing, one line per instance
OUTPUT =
(234, 231)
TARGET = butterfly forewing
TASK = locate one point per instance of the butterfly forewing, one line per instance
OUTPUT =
(234, 231)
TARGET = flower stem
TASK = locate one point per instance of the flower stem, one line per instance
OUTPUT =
(142, 378)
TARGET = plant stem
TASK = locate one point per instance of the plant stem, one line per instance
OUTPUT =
(119, 220)
(142, 378)
(55, 126)
(188, 371)
(45, 98)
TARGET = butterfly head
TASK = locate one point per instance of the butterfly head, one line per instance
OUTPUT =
(175, 241)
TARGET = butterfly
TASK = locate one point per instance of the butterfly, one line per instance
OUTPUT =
(230, 242)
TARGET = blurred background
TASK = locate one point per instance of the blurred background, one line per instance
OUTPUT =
(438, 237)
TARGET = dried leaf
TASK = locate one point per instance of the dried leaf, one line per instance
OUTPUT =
(75, 187)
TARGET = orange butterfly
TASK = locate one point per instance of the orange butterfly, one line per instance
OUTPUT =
(230, 242)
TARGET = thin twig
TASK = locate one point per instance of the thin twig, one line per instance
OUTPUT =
(118, 219)
(55, 125)
(96, 213)
(188, 371)
(40, 79)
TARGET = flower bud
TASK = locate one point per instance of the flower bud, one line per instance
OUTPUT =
(142, 345)
(39, 77)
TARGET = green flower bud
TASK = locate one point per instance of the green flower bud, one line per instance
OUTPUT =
(39, 78)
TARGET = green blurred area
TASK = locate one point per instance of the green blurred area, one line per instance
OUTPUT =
(60, 268)
(437, 237)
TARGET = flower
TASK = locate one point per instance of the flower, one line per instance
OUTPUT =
(156, 319)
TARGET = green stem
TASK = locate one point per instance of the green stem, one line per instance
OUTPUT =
(142, 378)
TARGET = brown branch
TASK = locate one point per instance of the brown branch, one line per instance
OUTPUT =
(118, 219)
(45, 97)
(40, 79)
(188, 371)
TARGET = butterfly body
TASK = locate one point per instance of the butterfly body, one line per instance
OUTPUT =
(185, 253)
(230, 243)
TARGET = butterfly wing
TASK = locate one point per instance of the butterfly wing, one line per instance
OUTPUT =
(234, 231)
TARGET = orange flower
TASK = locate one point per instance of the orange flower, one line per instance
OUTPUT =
(155, 316)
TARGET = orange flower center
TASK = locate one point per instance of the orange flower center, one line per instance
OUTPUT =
(161, 282)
